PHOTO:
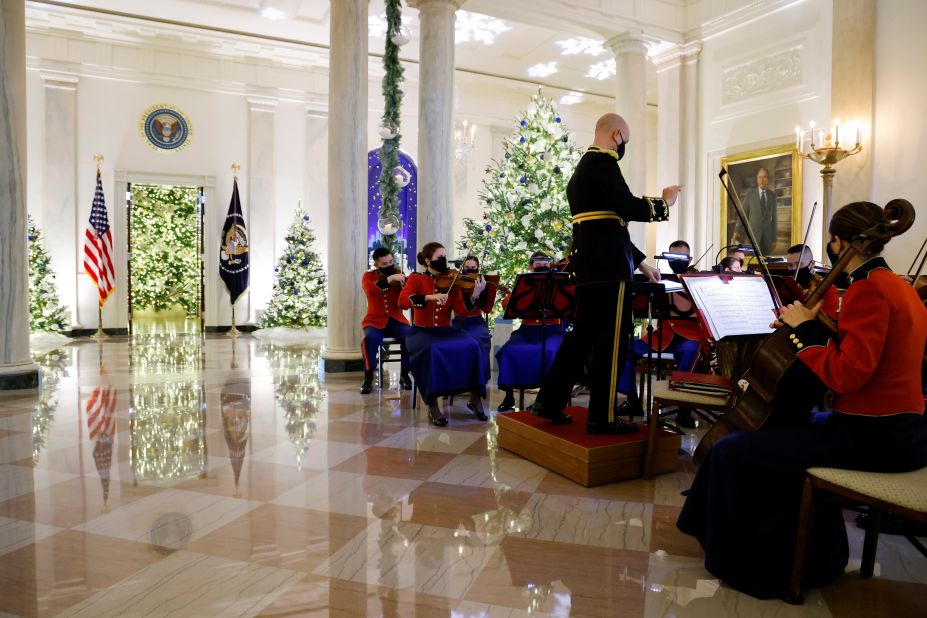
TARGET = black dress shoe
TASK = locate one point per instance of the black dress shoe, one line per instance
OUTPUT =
(618, 427)
(508, 404)
(478, 412)
(557, 418)
(684, 418)
(629, 409)
(435, 416)
(405, 382)
(367, 386)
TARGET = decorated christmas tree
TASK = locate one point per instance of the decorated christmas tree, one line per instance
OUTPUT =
(299, 298)
(45, 311)
(524, 195)
(298, 390)
(53, 366)
(165, 259)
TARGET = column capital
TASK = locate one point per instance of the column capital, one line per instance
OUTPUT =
(261, 103)
(422, 4)
(677, 55)
(627, 43)
(53, 78)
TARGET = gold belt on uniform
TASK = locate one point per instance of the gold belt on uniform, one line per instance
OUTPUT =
(598, 215)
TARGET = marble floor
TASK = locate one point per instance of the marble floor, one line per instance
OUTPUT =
(188, 476)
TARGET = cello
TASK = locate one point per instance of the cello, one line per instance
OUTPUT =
(777, 388)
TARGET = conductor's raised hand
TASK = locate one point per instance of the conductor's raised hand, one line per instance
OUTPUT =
(670, 194)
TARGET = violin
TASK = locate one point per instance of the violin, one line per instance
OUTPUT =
(395, 271)
(454, 278)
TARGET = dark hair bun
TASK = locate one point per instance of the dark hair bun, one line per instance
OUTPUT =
(420, 258)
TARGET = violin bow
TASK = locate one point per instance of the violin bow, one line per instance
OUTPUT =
(804, 242)
(701, 257)
(752, 238)
(920, 267)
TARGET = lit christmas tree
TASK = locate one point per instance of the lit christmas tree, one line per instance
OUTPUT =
(524, 195)
(45, 310)
(298, 390)
(299, 298)
(164, 260)
(53, 366)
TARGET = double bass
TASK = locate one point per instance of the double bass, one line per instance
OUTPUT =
(777, 388)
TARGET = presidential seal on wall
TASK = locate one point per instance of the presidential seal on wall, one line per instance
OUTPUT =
(166, 128)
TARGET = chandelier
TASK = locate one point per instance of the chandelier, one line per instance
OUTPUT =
(464, 140)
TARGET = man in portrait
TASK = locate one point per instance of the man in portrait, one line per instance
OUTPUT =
(760, 208)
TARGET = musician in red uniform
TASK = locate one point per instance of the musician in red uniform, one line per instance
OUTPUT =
(801, 262)
(519, 358)
(444, 360)
(472, 320)
(744, 503)
(384, 318)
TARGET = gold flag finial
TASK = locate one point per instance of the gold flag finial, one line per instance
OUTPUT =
(235, 168)
(98, 159)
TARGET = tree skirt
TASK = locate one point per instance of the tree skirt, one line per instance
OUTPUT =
(283, 336)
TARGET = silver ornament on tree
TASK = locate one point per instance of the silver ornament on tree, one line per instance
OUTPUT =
(401, 176)
(388, 132)
(400, 36)
(389, 224)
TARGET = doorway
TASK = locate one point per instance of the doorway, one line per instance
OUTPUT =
(165, 258)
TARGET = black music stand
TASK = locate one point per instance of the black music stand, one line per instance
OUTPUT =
(541, 296)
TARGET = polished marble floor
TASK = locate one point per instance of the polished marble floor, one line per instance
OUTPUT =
(187, 476)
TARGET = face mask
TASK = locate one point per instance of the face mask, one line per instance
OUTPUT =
(541, 269)
(803, 276)
(619, 147)
(469, 271)
(679, 266)
(386, 271)
(439, 264)
(833, 257)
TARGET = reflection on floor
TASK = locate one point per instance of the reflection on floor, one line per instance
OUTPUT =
(176, 475)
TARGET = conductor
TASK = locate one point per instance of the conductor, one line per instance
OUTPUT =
(602, 258)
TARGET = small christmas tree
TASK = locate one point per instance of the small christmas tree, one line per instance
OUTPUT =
(299, 298)
(524, 195)
(46, 314)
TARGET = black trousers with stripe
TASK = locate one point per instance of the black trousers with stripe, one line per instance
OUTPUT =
(593, 339)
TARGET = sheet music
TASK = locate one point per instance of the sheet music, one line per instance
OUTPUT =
(740, 306)
(671, 286)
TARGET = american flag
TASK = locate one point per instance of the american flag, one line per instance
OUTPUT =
(98, 246)
(100, 408)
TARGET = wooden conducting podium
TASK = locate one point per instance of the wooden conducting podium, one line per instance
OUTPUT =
(567, 449)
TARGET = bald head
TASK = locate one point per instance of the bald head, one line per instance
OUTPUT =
(607, 129)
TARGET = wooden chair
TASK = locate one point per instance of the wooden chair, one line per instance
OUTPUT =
(703, 405)
(902, 494)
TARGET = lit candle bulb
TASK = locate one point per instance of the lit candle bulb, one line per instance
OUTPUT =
(837, 130)
(857, 135)
(811, 124)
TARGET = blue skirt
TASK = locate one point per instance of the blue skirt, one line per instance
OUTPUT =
(475, 326)
(519, 359)
(445, 361)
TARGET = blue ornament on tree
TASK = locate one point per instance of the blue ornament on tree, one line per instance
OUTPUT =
(524, 123)
(305, 262)
(295, 292)
(305, 217)
(557, 119)
(522, 180)
(522, 140)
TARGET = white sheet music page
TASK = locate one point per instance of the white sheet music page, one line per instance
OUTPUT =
(735, 305)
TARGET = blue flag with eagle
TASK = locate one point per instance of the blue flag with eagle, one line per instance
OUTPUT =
(233, 249)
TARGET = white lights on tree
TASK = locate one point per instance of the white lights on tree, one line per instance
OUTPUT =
(580, 45)
(542, 69)
(478, 28)
(602, 70)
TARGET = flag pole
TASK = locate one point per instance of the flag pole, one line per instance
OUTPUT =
(99, 335)
(234, 332)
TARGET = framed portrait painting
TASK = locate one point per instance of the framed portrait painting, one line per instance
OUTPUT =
(768, 185)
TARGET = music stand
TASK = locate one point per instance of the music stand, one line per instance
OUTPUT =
(542, 296)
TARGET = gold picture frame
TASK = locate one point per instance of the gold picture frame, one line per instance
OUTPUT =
(783, 165)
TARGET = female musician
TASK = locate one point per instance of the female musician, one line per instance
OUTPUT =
(444, 360)
(478, 301)
(744, 503)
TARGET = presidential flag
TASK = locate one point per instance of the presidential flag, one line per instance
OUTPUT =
(233, 249)
(98, 246)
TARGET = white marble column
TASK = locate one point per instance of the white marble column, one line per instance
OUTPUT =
(631, 103)
(59, 189)
(436, 119)
(260, 209)
(16, 367)
(677, 140)
(347, 180)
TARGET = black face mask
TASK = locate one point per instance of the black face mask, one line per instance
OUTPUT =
(803, 276)
(541, 269)
(471, 271)
(833, 257)
(386, 271)
(679, 266)
(619, 147)
(439, 264)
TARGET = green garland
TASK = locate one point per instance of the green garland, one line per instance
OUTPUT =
(45, 310)
(165, 257)
(299, 298)
(392, 97)
(524, 196)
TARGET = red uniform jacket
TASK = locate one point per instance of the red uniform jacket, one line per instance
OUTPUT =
(382, 301)
(429, 314)
(482, 306)
(873, 366)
